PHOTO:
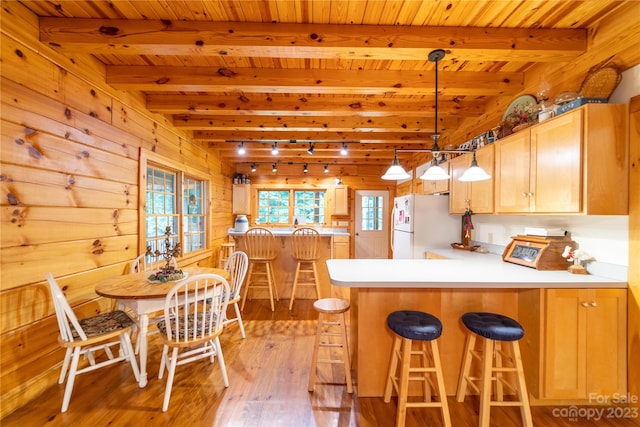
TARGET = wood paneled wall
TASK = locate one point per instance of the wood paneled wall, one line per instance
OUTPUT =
(633, 345)
(70, 146)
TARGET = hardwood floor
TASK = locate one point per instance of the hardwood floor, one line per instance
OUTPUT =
(268, 373)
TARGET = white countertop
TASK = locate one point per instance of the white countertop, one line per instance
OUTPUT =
(325, 232)
(463, 269)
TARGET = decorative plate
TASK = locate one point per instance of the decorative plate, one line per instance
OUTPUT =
(184, 276)
(520, 104)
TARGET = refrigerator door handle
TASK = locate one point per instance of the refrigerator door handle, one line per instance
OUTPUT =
(393, 220)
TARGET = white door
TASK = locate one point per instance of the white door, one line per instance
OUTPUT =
(372, 224)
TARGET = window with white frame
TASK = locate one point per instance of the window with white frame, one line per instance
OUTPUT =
(279, 206)
(178, 201)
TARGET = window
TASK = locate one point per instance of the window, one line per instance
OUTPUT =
(309, 204)
(173, 198)
(372, 214)
(279, 206)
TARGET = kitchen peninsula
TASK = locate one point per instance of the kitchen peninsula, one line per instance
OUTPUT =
(285, 265)
(469, 281)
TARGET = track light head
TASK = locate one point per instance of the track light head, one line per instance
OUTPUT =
(241, 149)
(310, 150)
(305, 169)
(274, 148)
(343, 150)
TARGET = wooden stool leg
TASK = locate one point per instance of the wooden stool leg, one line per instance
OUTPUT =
(466, 367)
(499, 393)
(345, 353)
(393, 366)
(314, 358)
(403, 387)
(485, 381)
(273, 280)
(424, 364)
(446, 417)
(270, 285)
(295, 285)
(525, 409)
(315, 278)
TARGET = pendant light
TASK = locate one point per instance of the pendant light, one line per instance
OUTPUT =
(395, 171)
(434, 172)
(475, 172)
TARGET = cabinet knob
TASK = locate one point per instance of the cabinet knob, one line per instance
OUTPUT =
(530, 194)
(524, 194)
(594, 304)
(584, 304)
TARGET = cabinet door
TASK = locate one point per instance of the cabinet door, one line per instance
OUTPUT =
(459, 197)
(341, 247)
(556, 159)
(340, 200)
(482, 191)
(565, 358)
(512, 160)
(241, 199)
(607, 342)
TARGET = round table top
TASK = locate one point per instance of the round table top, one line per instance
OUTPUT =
(137, 285)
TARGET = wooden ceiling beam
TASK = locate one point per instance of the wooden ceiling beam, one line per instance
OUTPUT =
(302, 81)
(305, 137)
(283, 40)
(304, 123)
(279, 105)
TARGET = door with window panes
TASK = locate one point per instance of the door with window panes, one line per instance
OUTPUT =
(372, 224)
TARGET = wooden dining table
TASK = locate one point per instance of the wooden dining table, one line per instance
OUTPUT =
(137, 293)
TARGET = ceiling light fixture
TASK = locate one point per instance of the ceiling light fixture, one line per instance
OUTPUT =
(274, 148)
(310, 150)
(343, 150)
(241, 149)
(253, 167)
(274, 168)
(475, 172)
(305, 169)
(396, 171)
(326, 168)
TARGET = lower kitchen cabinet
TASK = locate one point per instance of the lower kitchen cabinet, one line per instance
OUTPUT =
(576, 349)
(341, 247)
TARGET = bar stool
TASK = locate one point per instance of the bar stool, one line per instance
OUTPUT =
(304, 248)
(226, 249)
(328, 308)
(260, 245)
(410, 326)
(494, 329)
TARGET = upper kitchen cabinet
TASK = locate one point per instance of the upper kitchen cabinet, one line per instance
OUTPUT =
(477, 196)
(241, 199)
(574, 163)
(340, 200)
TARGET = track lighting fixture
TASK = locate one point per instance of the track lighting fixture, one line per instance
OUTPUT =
(274, 148)
(274, 168)
(241, 149)
(305, 169)
(310, 150)
(253, 167)
(343, 150)
(326, 168)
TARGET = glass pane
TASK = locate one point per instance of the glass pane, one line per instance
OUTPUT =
(372, 213)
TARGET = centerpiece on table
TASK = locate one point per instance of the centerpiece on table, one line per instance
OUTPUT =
(166, 273)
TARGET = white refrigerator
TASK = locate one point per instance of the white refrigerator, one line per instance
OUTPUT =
(420, 222)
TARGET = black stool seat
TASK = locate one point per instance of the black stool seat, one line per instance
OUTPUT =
(415, 325)
(493, 326)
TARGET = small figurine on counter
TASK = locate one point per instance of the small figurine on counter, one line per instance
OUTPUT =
(578, 257)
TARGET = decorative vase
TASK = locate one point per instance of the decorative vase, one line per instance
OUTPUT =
(242, 224)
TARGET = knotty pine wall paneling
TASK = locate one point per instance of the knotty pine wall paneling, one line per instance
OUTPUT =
(69, 152)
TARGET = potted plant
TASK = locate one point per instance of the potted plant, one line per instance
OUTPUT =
(167, 272)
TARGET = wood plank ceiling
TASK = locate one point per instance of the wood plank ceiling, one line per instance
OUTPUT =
(326, 72)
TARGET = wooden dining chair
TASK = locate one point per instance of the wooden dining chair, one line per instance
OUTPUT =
(92, 337)
(304, 247)
(260, 244)
(194, 313)
(237, 265)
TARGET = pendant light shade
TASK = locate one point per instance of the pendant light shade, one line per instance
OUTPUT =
(395, 171)
(475, 172)
(435, 173)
